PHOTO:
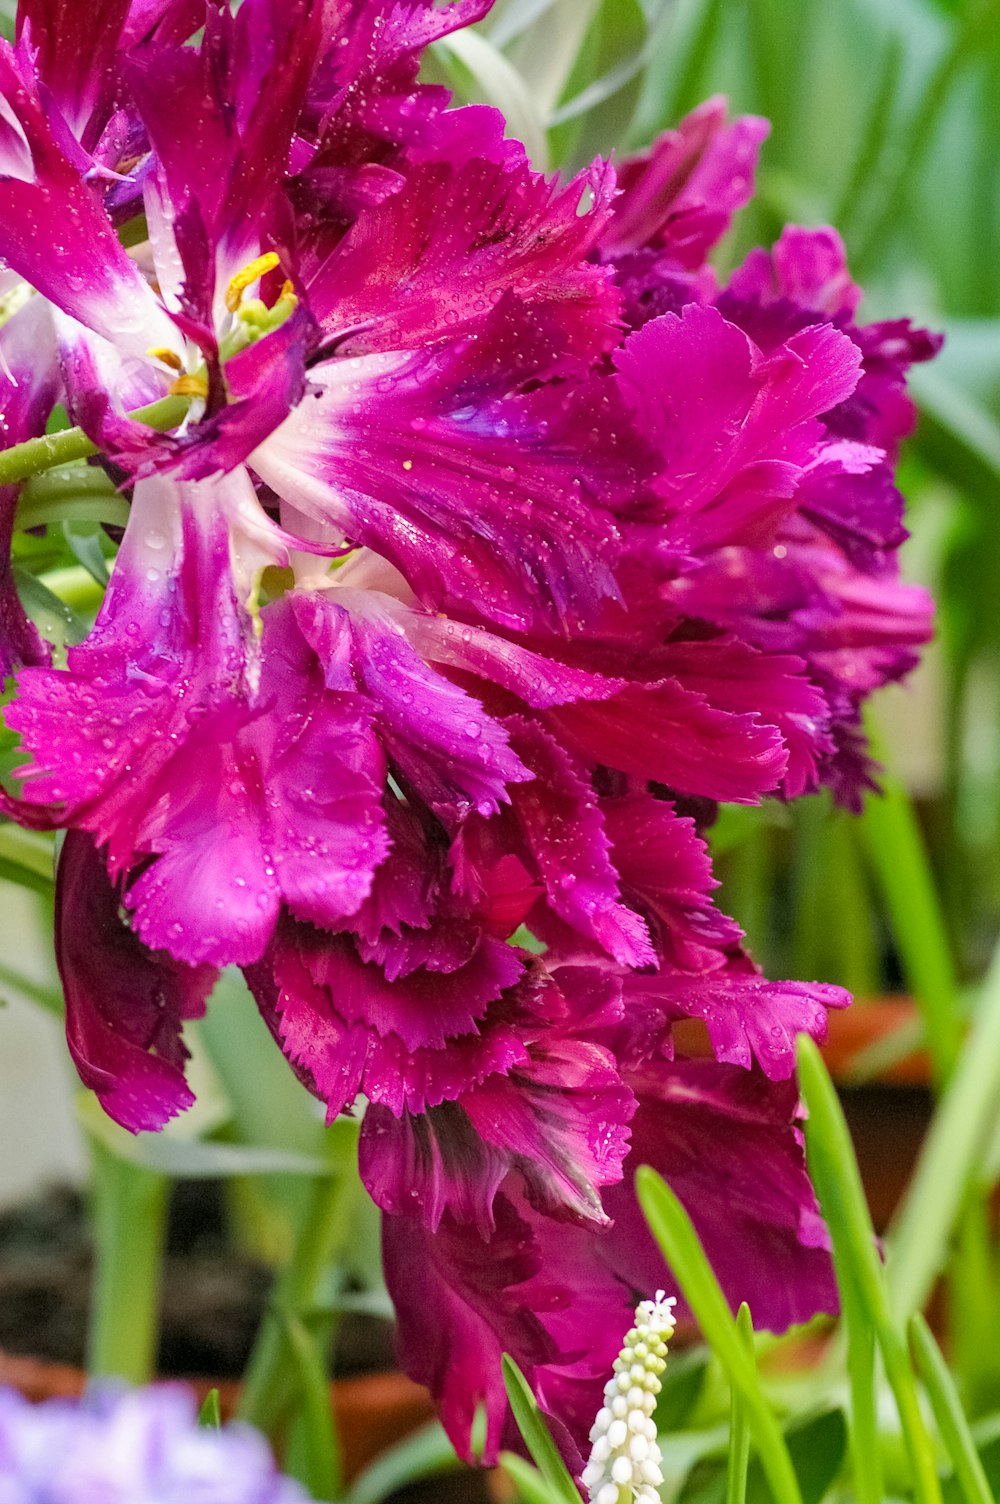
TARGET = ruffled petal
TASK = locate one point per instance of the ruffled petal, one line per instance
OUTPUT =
(564, 829)
(433, 461)
(124, 1003)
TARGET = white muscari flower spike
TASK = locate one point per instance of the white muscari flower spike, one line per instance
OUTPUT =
(625, 1459)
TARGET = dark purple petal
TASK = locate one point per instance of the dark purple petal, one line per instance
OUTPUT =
(124, 1003)
(460, 1305)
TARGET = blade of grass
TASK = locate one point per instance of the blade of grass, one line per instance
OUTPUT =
(919, 1234)
(739, 1423)
(531, 1486)
(210, 1415)
(838, 1184)
(536, 1434)
(678, 1241)
(948, 1413)
(314, 1452)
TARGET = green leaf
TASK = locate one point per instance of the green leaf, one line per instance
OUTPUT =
(678, 1241)
(531, 1486)
(948, 1413)
(86, 549)
(210, 1415)
(536, 1434)
(739, 1423)
(27, 858)
(35, 992)
(313, 1454)
(860, 1277)
(493, 79)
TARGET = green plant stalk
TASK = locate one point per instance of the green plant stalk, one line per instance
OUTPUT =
(536, 1434)
(947, 1407)
(738, 1460)
(678, 1241)
(21, 461)
(899, 860)
(28, 849)
(129, 1222)
(271, 1382)
(835, 1173)
(866, 1456)
(920, 1231)
(79, 493)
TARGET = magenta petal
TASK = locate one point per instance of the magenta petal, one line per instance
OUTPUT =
(423, 1009)
(563, 1119)
(54, 232)
(440, 738)
(443, 250)
(124, 1004)
(439, 463)
(747, 1017)
(680, 194)
(76, 51)
(563, 826)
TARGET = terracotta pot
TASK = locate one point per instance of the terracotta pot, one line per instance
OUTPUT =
(373, 1411)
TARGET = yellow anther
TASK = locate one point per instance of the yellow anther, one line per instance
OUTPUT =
(189, 386)
(244, 279)
(168, 357)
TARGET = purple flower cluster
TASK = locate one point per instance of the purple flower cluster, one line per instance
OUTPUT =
(143, 1447)
(498, 544)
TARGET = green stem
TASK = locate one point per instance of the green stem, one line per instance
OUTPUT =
(129, 1220)
(951, 1421)
(82, 493)
(271, 1383)
(21, 461)
(739, 1423)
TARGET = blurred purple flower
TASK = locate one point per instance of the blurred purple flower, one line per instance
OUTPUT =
(140, 1447)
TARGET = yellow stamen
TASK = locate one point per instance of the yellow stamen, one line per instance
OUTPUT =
(189, 386)
(168, 357)
(244, 279)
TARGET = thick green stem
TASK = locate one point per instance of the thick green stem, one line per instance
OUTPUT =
(79, 493)
(272, 1380)
(21, 461)
(129, 1218)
